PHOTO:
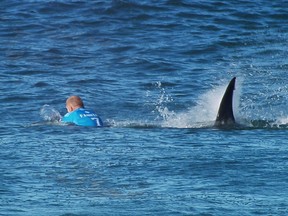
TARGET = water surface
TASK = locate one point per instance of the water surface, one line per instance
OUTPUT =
(155, 71)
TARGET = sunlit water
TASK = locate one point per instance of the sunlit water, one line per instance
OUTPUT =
(155, 71)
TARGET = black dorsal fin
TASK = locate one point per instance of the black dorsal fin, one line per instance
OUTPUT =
(225, 114)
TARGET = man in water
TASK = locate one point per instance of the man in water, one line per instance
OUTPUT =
(78, 115)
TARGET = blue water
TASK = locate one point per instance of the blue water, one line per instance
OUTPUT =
(155, 71)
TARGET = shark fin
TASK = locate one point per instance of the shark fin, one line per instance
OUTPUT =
(225, 116)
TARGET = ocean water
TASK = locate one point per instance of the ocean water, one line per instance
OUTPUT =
(155, 71)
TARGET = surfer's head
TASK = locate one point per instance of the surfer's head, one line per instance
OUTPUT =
(73, 103)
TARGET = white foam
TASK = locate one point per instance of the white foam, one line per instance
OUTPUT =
(204, 113)
(49, 113)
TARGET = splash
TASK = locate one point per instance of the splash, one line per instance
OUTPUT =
(160, 105)
(282, 120)
(201, 115)
(50, 114)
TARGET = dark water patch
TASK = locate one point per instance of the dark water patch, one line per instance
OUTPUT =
(122, 48)
(55, 50)
(248, 15)
(201, 49)
(28, 29)
(269, 52)
(196, 17)
(56, 7)
(211, 27)
(72, 214)
(93, 81)
(31, 72)
(179, 3)
(128, 7)
(18, 53)
(280, 15)
(40, 84)
(232, 43)
(15, 98)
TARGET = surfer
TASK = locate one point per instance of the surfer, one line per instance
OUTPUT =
(78, 115)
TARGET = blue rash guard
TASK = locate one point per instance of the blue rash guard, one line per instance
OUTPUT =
(83, 117)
